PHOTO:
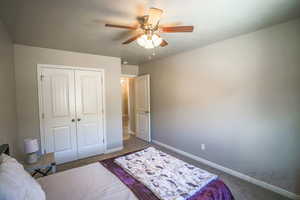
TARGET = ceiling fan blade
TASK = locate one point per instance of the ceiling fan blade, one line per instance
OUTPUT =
(164, 43)
(154, 15)
(175, 29)
(132, 38)
(121, 26)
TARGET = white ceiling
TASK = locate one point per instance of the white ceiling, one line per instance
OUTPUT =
(78, 25)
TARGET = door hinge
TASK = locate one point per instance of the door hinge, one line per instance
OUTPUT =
(41, 77)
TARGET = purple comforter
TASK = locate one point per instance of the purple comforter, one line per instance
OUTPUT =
(215, 190)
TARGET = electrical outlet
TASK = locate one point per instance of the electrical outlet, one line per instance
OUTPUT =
(202, 147)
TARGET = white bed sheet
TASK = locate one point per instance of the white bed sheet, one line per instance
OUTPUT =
(90, 182)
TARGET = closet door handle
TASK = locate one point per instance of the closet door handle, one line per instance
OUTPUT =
(73, 120)
(79, 119)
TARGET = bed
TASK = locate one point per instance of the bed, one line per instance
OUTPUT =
(106, 180)
(90, 182)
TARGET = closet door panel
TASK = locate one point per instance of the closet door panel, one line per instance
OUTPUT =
(58, 94)
(89, 110)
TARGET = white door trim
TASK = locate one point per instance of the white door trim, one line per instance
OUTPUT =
(69, 67)
(40, 98)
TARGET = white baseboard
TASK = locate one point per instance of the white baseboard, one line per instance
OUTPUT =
(233, 172)
(113, 150)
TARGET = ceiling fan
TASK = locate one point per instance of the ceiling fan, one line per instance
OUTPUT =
(149, 27)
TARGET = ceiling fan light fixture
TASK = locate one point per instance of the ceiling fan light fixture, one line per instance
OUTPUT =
(149, 42)
(154, 16)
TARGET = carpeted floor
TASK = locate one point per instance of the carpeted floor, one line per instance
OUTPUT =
(241, 190)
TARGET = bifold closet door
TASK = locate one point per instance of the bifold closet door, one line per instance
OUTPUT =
(58, 100)
(89, 111)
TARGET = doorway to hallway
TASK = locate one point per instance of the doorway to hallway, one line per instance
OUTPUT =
(128, 106)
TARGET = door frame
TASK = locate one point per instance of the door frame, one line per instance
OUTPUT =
(129, 102)
(40, 98)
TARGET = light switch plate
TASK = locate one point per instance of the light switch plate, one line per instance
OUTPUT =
(202, 147)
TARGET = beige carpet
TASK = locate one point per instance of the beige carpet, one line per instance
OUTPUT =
(241, 190)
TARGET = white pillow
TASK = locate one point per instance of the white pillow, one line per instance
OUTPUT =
(16, 183)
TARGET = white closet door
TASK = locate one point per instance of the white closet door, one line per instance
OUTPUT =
(58, 97)
(89, 109)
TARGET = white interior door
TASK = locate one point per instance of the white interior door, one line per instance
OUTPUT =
(142, 94)
(58, 97)
(89, 111)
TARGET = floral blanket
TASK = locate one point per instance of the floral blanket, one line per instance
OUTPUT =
(166, 176)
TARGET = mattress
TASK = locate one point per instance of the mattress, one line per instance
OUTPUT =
(90, 182)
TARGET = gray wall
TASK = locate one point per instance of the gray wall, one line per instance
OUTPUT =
(240, 97)
(26, 60)
(130, 69)
(8, 118)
